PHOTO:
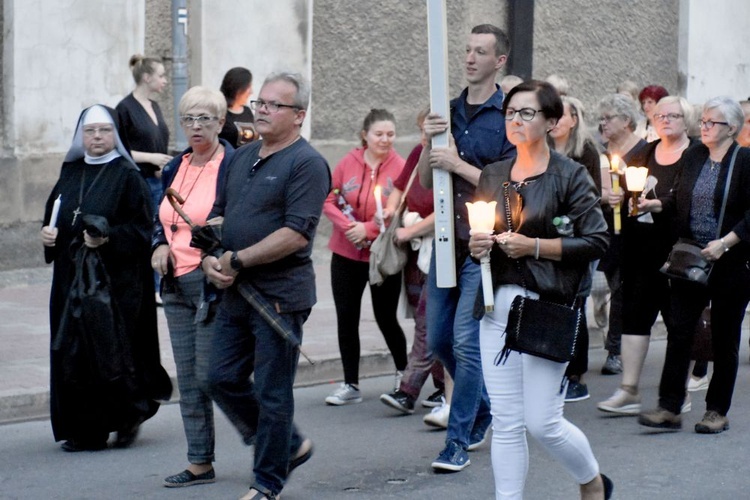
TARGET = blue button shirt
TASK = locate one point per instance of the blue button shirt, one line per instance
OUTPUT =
(480, 141)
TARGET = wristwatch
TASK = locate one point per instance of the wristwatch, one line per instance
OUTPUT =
(234, 261)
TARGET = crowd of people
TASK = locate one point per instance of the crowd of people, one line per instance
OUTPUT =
(226, 228)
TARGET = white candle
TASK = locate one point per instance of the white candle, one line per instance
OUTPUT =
(55, 212)
(379, 208)
(482, 220)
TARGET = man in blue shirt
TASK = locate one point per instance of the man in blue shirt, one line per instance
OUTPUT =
(271, 200)
(478, 139)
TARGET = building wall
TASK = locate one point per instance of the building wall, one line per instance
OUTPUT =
(58, 57)
(714, 55)
(597, 45)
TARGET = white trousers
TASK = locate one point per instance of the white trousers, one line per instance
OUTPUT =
(525, 395)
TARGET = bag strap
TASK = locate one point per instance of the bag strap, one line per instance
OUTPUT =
(406, 191)
(726, 192)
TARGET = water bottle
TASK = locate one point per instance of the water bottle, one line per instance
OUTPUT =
(564, 225)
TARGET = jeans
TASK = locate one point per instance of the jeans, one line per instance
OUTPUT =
(526, 397)
(263, 407)
(453, 336)
(191, 343)
(420, 362)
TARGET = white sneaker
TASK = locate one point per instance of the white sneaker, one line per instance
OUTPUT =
(695, 385)
(687, 405)
(346, 394)
(438, 417)
(397, 381)
(622, 403)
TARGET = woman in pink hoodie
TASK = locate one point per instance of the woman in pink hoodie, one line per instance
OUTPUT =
(351, 207)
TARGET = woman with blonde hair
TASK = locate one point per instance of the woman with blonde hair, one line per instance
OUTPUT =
(189, 300)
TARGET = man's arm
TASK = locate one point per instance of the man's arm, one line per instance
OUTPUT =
(443, 158)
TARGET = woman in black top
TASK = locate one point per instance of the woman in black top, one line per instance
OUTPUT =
(647, 240)
(238, 127)
(696, 202)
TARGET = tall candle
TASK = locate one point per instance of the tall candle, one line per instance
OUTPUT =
(55, 211)
(379, 208)
(616, 189)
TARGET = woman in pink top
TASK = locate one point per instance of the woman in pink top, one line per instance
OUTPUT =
(351, 206)
(189, 301)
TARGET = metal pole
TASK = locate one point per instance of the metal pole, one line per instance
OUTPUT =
(442, 184)
(179, 65)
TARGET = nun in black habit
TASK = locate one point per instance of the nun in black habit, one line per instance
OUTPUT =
(106, 375)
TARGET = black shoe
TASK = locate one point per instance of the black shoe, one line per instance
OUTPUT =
(400, 401)
(576, 392)
(126, 437)
(187, 478)
(73, 446)
(435, 399)
(609, 487)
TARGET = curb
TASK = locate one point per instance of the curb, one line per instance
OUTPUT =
(34, 404)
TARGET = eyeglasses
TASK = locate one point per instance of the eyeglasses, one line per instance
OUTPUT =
(668, 117)
(92, 131)
(709, 124)
(607, 118)
(527, 114)
(271, 106)
(202, 120)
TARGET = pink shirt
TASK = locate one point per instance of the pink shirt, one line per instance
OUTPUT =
(356, 182)
(197, 186)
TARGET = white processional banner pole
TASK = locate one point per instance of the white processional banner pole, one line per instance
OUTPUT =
(445, 253)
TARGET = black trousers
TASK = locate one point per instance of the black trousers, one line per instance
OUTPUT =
(729, 293)
(348, 280)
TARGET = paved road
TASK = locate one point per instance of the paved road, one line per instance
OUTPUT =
(366, 452)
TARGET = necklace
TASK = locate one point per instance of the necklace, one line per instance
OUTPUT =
(82, 195)
(682, 146)
(173, 227)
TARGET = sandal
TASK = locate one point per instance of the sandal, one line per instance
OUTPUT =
(187, 478)
(301, 457)
(256, 494)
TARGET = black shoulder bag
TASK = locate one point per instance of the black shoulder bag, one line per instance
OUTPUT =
(537, 327)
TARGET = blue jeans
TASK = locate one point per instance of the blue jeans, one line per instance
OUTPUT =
(244, 344)
(453, 336)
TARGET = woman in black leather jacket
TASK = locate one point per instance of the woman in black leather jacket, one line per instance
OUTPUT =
(539, 259)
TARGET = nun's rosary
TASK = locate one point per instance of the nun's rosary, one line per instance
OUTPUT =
(81, 194)
(173, 226)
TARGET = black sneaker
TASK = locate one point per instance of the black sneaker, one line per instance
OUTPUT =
(400, 401)
(435, 399)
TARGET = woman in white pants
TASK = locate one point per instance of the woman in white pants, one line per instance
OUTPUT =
(538, 257)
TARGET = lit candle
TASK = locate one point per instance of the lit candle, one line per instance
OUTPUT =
(482, 220)
(635, 178)
(55, 211)
(379, 208)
